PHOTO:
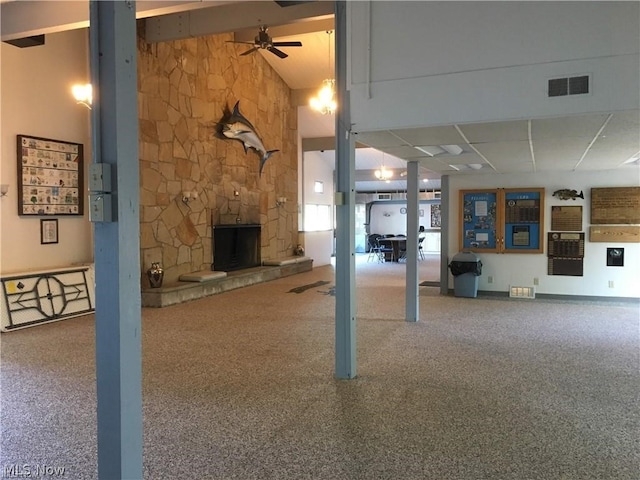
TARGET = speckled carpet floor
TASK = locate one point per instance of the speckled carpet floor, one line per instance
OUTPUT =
(240, 386)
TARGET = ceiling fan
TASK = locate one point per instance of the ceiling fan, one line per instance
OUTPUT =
(263, 40)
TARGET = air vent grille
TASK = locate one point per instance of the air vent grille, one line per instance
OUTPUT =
(522, 292)
(560, 87)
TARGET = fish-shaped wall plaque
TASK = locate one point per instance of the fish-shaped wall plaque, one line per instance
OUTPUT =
(236, 127)
(567, 194)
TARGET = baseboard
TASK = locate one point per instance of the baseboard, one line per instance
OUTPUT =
(553, 296)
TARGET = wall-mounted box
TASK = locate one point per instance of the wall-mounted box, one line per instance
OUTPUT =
(100, 207)
(100, 177)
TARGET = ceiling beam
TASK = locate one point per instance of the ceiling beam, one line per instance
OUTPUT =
(26, 19)
(232, 17)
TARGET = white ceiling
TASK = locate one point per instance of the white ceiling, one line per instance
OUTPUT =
(572, 143)
(593, 142)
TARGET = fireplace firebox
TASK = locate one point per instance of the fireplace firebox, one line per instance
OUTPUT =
(235, 247)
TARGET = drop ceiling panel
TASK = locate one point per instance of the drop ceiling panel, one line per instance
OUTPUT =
(404, 152)
(560, 153)
(496, 132)
(379, 139)
(436, 166)
(447, 135)
(611, 152)
(502, 155)
(579, 126)
(624, 123)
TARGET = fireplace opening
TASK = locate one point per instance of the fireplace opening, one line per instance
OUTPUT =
(235, 247)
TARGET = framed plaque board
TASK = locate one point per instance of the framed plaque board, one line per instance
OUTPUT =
(566, 218)
(523, 220)
(50, 176)
(615, 206)
(566, 253)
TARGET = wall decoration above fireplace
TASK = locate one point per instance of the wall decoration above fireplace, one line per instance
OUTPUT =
(236, 127)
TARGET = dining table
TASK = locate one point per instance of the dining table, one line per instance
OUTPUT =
(396, 244)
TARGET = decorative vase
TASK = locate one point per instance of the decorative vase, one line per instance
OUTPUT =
(155, 274)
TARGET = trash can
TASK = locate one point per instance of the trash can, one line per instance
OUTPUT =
(465, 267)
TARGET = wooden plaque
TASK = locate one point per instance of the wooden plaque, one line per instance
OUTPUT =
(615, 234)
(615, 205)
(566, 218)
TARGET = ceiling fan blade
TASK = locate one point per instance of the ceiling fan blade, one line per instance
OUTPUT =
(287, 44)
(277, 52)
(249, 51)
(236, 41)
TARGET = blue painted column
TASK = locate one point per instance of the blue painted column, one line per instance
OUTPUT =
(412, 303)
(444, 234)
(345, 354)
(117, 242)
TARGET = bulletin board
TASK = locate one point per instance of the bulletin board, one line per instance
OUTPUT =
(479, 220)
(50, 176)
(502, 220)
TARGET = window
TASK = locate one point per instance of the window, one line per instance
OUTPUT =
(317, 217)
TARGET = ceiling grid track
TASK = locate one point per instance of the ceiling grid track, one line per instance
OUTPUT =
(533, 157)
(593, 140)
(466, 140)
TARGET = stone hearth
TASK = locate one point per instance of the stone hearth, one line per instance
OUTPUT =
(180, 292)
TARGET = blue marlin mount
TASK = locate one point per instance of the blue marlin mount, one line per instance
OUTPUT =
(235, 126)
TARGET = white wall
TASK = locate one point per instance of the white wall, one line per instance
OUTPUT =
(520, 269)
(517, 47)
(386, 217)
(36, 100)
(318, 166)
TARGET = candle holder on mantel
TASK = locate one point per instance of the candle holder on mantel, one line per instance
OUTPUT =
(156, 275)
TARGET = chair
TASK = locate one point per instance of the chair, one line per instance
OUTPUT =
(402, 250)
(420, 249)
(386, 247)
(375, 250)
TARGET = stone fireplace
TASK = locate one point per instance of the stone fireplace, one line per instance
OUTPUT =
(235, 247)
(190, 179)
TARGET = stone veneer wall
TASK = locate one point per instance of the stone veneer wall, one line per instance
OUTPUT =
(184, 88)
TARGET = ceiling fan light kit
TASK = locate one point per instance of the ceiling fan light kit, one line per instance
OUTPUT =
(264, 41)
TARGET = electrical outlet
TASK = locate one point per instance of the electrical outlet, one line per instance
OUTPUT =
(489, 279)
(610, 283)
(536, 281)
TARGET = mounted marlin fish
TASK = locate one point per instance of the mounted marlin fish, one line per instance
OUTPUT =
(236, 127)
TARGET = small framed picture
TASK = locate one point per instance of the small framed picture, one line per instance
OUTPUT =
(48, 230)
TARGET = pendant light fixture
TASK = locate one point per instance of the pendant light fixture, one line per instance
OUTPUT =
(383, 173)
(325, 100)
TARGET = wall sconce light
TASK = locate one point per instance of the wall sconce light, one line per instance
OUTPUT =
(4, 189)
(280, 201)
(83, 94)
(188, 196)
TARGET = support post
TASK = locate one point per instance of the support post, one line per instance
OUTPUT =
(412, 283)
(444, 234)
(345, 321)
(116, 243)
